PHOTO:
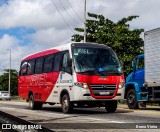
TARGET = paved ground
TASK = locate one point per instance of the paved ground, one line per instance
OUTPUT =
(95, 119)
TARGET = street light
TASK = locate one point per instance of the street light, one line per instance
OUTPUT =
(85, 34)
(9, 81)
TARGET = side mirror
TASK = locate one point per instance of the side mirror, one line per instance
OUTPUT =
(122, 64)
(134, 65)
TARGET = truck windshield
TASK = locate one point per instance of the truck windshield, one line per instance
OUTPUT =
(96, 61)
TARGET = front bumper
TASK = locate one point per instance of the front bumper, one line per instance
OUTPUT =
(84, 95)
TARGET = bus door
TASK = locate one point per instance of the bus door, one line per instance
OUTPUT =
(65, 77)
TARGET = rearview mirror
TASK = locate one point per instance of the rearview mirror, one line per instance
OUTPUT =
(132, 64)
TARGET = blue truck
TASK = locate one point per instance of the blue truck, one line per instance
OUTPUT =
(143, 83)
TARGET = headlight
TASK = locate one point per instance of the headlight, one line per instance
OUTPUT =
(121, 82)
(85, 86)
(121, 85)
(82, 85)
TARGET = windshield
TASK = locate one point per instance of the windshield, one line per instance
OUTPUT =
(96, 61)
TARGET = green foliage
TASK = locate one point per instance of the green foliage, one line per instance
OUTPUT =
(125, 42)
(4, 78)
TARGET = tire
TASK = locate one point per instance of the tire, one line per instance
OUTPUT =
(67, 106)
(34, 105)
(111, 106)
(131, 99)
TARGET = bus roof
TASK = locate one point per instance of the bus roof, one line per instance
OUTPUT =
(47, 51)
(56, 49)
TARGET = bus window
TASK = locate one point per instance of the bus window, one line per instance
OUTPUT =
(23, 69)
(30, 68)
(65, 66)
(57, 62)
(39, 65)
(48, 63)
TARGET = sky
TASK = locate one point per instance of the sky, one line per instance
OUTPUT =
(28, 26)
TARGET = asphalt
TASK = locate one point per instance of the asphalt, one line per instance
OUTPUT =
(88, 119)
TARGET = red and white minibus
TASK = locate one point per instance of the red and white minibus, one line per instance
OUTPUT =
(73, 75)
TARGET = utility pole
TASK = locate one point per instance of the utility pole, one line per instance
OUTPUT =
(85, 34)
(9, 81)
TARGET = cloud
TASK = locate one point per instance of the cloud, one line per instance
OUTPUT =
(40, 14)
(25, 13)
(36, 14)
(6, 42)
(17, 51)
(115, 10)
(51, 29)
(51, 37)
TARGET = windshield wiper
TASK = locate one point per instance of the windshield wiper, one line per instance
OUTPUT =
(101, 73)
(87, 71)
(93, 72)
(112, 73)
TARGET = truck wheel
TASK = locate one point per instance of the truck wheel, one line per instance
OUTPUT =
(67, 106)
(111, 106)
(34, 105)
(131, 99)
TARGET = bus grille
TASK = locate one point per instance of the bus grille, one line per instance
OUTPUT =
(103, 89)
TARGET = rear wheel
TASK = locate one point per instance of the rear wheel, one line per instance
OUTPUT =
(67, 106)
(131, 99)
(33, 105)
(111, 106)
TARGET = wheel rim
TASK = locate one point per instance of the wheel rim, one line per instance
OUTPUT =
(30, 103)
(131, 98)
(65, 104)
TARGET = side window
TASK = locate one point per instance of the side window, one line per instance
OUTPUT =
(140, 63)
(57, 62)
(30, 68)
(65, 66)
(48, 63)
(23, 68)
(39, 65)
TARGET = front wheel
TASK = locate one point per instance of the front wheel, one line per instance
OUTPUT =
(131, 99)
(111, 106)
(34, 105)
(67, 106)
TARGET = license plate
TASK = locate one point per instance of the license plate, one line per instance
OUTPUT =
(104, 93)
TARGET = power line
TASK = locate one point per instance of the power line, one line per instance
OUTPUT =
(75, 11)
(62, 16)
(68, 12)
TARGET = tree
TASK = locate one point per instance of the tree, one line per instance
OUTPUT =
(125, 42)
(4, 78)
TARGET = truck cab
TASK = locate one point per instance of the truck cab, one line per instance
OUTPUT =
(135, 91)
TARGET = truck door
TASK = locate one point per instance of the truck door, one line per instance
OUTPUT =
(139, 72)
